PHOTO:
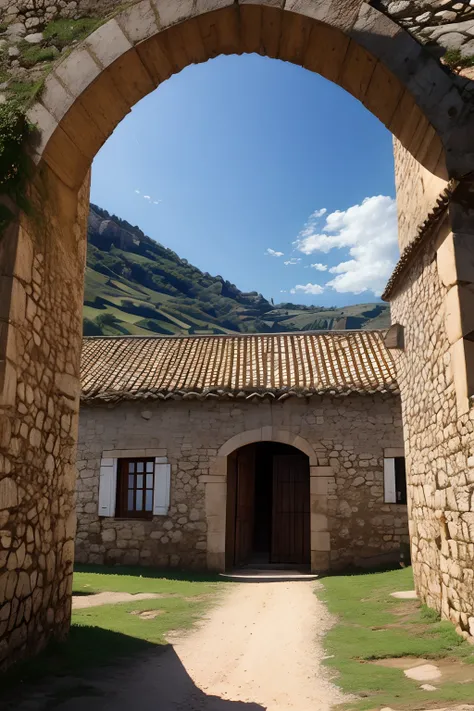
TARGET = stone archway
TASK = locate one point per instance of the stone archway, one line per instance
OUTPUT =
(43, 254)
(321, 477)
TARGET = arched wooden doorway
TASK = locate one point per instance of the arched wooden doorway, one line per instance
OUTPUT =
(268, 506)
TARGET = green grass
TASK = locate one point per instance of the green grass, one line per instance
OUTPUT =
(110, 633)
(31, 55)
(373, 625)
(62, 33)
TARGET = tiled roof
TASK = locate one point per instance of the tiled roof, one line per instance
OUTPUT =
(242, 366)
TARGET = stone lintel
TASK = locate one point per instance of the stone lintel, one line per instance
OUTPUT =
(390, 452)
(131, 453)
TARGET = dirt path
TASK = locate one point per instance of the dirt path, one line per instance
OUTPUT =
(80, 602)
(260, 648)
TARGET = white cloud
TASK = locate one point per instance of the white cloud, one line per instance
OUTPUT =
(308, 289)
(283, 291)
(272, 253)
(293, 260)
(369, 232)
(157, 202)
(137, 192)
(146, 197)
(319, 267)
(318, 213)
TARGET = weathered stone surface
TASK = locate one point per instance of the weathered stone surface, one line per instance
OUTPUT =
(348, 435)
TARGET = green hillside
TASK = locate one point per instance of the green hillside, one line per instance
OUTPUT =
(136, 286)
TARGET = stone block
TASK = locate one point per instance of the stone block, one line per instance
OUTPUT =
(55, 97)
(108, 42)
(46, 125)
(8, 493)
(321, 471)
(390, 452)
(216, 561)
(78, 70)
(455, 259)
(320, 561)
(459, 312)
(462, 366)
(320, 541)
(172, 11)
(138, 22)
(319, 522)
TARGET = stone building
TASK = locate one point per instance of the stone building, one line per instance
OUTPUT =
(216, 451)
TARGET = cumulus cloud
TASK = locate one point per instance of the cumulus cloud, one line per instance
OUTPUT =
(273, 253)
(368, 231)
(146, 197)
(319, 267)
(308, 289)
(318, 213)
(293, 260)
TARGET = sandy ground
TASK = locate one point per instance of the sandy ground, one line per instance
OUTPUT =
(80, 602)
(260, 648)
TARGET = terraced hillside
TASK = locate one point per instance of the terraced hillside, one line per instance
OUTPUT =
(136, 286)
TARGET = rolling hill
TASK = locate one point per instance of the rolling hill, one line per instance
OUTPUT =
(136, 286)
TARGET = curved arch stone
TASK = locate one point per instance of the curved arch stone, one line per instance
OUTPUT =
(350, 43)
(269, 434)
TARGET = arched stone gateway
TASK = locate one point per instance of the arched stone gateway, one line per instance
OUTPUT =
(42, 256)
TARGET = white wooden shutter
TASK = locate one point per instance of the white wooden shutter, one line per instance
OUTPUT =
(161, 495)
(107, 487)
(389, 481)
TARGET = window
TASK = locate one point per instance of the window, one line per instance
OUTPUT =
(135, 486)
(400, 480)
(395, 483)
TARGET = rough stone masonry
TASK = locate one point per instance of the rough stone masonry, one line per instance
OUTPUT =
(43, 260)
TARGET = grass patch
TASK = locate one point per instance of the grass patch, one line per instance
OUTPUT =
(110, 633)
(373, 625)
(32, 54)
(63, 32)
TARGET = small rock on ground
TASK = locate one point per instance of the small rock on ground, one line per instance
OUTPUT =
(405, 595)
(425, 672)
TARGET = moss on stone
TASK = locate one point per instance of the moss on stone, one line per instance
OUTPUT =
(454, 59)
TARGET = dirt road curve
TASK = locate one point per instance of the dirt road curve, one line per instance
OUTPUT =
(260, 648)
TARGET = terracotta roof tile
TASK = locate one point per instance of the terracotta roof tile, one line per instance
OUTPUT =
(272, 365)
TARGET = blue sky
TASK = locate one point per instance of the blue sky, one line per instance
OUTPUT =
(244, 158)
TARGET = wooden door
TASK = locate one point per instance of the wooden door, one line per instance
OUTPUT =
(245, 504)
(291, 512)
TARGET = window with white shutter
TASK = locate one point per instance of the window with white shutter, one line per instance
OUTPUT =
(395, 485)
(134, 487)
(161, 499)
(107, 487)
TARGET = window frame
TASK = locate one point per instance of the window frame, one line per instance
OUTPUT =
(395, 493)
(121, 507)
(401, 474)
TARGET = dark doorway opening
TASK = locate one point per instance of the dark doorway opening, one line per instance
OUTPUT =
(268, 509)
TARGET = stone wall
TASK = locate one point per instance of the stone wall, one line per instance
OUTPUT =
(349, 435)
(417, 191)
(435, 376)
(39, 363)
